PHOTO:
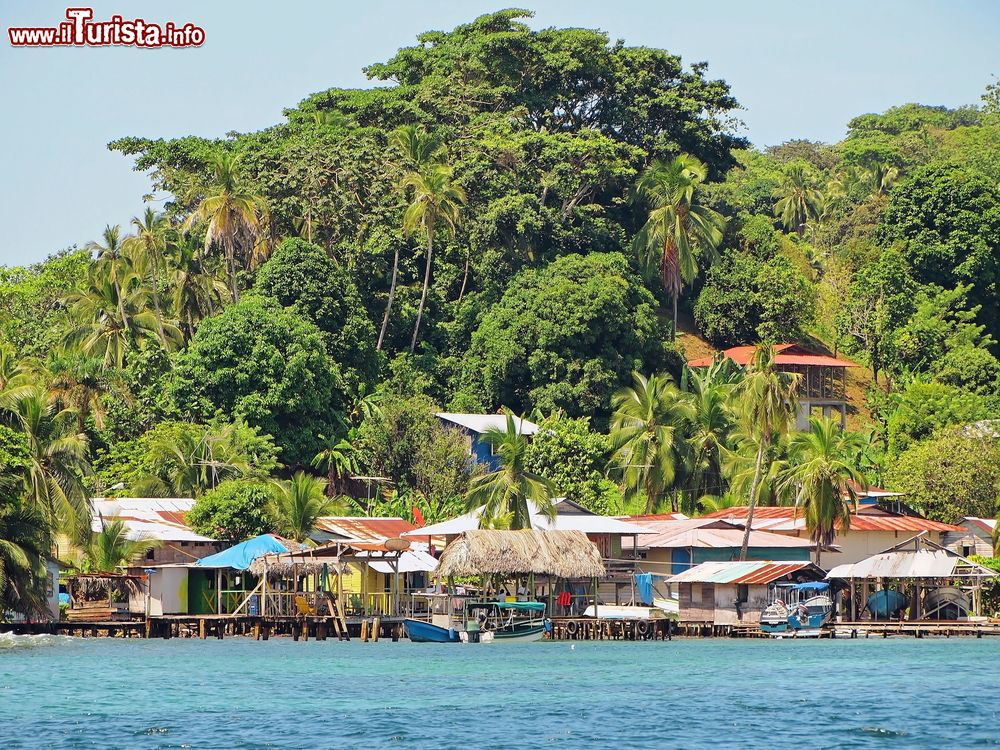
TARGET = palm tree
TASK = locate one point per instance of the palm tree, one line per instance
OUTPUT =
(798, 199)
(147, 249)
(197, 290)
(711, 425)
(647, 436)
(767, 404)
(112, 317)
(186, 463)
(419, 150)
(25, 541)
(510, 488)
(79, 383)
(299, 503)
(57, 460)
(112, 258)
(882, 176)
(17, 376)
(111, 548)
(677, 228)
(823, 479)
(341, 460)
(234, 216)
(435, 200)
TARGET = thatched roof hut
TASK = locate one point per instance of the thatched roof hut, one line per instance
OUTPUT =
(565, 554)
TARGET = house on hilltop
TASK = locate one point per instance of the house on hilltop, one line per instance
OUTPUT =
(474, 426)
(822, 383)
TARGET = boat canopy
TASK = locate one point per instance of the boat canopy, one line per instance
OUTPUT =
(812, 586)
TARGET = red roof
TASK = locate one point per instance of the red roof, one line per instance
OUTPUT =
(785, 354)
(866, 520)
(365, 529)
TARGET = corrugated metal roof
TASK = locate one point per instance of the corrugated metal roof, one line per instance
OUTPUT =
(569, 517)
(364, 529)
(482, 422)
(713, 533)
(785, 354)
(750, 572)
(983, 524)
(785, 518)
(160, 518)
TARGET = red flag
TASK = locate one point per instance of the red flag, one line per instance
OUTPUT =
(418, 517)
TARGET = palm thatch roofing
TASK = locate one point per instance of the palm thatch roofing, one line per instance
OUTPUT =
(565, 554)
(284, 565)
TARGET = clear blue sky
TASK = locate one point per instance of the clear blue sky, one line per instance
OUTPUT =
(800, 69)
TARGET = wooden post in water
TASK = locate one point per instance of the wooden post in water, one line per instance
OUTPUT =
(376, 627)
(201, 628)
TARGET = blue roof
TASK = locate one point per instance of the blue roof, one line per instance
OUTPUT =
(243, 554)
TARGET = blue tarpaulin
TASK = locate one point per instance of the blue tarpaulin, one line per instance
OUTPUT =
(644, 585)
(244, 553)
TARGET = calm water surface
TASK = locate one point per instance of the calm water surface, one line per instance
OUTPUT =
(896, 693)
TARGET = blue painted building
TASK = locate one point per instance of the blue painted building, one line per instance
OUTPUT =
(473, 426)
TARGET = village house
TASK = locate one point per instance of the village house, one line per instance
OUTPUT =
(974, 536)
(822, 384)
(156, 518)
(723, 594)
(474, 426)
(680, 544)
(872, 529)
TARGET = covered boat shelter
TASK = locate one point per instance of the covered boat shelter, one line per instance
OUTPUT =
(928, 576)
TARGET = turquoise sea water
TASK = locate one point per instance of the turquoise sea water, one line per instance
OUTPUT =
(238, 693)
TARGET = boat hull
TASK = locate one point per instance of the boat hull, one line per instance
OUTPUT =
(424, 632)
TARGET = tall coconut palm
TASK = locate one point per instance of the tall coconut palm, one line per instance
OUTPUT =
(435, 204)
(112, 259)
(25, 541)
(823, 478)
(111, 548)
(340, 458)
(767, 406)
(678, 228)
(712, 423)
(148, 251)
(57, 460)
(510, 489)
(297, 505)
(647, 436)
(112, 317)
(798, 200)
(234, 216)
(418, 149)
(197, 291)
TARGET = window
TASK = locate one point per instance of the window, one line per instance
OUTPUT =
(742, 593)
(151, 554)
(968, 550)
(696, 593)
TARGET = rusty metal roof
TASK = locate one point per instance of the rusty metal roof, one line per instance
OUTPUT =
(784, 354)
(787, 518)
(364, 529)
(750, 572)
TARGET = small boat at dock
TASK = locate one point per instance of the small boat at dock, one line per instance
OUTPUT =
(799, 610)
(480, 621)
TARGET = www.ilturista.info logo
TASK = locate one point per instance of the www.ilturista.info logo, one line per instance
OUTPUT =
(80, 31)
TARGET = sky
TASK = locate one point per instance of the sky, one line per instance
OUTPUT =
(800, 69)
